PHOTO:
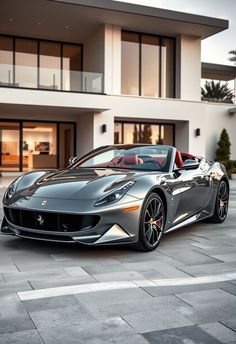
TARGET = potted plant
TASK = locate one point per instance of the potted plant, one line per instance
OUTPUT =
(233, 173)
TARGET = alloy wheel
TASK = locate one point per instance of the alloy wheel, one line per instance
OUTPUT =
(153, 221)
(223, 200)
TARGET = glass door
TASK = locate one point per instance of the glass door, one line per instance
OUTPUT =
(9, 146)
(39, 145)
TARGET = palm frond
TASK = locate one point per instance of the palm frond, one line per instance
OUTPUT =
(216, 91)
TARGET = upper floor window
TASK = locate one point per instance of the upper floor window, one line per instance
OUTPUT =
(147, 65)
(35, 63)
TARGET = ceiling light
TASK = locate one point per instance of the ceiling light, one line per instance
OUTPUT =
(11, 19)
(67, 27)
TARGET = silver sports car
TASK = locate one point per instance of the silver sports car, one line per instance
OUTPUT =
(126, 194)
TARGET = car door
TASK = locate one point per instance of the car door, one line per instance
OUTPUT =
(190, 190)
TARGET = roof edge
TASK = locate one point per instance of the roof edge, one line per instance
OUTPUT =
(221, 24)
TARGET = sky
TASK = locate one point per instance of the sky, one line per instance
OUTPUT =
(214, 49)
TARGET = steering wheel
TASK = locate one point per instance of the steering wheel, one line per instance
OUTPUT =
(154, 162)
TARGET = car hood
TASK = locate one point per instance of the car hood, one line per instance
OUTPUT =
(82, 183)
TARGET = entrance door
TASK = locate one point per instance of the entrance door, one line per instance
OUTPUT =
(66, 143)
(9, 146)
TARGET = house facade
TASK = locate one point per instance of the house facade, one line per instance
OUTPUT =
(76, 74)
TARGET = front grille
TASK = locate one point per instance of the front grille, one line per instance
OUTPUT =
(47, 221)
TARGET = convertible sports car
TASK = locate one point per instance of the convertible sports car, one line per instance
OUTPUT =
(127, 194)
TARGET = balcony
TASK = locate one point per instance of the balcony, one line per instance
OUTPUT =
(51, 79)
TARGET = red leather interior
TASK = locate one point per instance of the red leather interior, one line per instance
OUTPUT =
(129, 160)
(114, 162)
(186, 156)
(178, 159)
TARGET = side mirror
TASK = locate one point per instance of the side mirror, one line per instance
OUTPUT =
(72, 160)
(190, 164)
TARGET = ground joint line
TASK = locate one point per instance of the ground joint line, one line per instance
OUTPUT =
(118, 285)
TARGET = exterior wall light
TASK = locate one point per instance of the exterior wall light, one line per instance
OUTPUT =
(198, 132)
(104, 128)
(232, 111)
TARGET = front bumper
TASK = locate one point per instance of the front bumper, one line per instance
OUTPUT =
(114, 226)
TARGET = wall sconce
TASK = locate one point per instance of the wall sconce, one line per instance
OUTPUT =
(104, 128)
(198, 132)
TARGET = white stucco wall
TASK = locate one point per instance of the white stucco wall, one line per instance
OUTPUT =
(112, 59)
(85, 133)
(189, 65)
(218, 118)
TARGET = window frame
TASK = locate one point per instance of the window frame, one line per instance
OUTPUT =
(62, 43)
(161, 38)
(139, 124)
(20, 122)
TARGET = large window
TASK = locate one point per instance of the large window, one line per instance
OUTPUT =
(147, 65)
(6, 61)
(130, 63)
(50, 65)
(9, 146)
(72, 65)
(39, 145)
(34, 63)
(32, 145)
(26, 73)
(153, 133)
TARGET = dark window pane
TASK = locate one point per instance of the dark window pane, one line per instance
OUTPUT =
(118, 133)
(130, 63)
(50, 65)
(131, 133)
(9, 146)
(26, 63)
(150, 65)
(6, 61)
(72, 66)
(168, 135)
(144, 133)
(150, 133)
(39, 145)
(167, 68)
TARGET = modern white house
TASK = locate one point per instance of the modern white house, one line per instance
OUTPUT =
(78, 74)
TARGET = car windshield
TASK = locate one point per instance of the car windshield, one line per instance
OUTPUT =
(143, 157)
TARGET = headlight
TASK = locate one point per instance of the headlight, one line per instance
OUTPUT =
(12, 188)
(115, 195)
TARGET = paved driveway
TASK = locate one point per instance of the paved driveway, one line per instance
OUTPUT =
(184, 292)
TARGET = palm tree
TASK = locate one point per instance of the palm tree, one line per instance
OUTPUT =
(214, 91)
(233, 58)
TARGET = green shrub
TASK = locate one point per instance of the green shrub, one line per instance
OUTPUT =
(223, 150)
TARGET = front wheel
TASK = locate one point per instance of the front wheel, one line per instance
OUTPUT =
(151, 223)
(221, 205)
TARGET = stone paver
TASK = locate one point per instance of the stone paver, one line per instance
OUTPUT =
(177, 313)
(220, 332)
(181, 335)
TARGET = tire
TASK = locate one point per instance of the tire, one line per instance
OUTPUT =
(152, 223)
(221, 203)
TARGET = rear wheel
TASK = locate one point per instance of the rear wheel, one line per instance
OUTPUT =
(151, 223)
(221, 205)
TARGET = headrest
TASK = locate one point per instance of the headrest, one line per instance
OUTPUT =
(178, 160)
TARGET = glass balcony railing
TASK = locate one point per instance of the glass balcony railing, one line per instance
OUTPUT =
(51, 79)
